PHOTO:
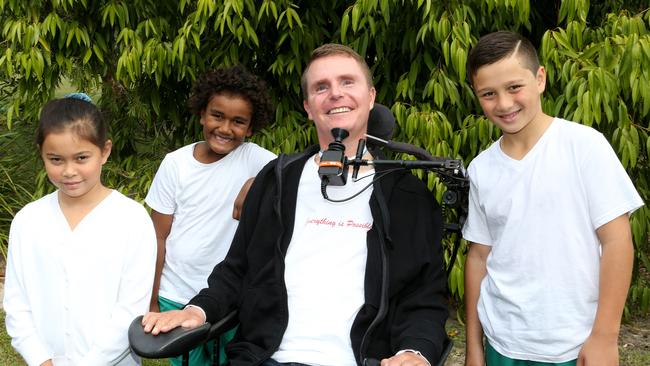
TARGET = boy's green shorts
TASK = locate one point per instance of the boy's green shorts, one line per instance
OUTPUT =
(494, 358)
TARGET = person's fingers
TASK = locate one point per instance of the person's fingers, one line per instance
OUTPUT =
(149, 320)
(155, 323)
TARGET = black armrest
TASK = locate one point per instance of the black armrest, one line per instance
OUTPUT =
(446, 350)
(177, 341)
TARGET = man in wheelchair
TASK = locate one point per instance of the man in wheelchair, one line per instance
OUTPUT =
(330, 281)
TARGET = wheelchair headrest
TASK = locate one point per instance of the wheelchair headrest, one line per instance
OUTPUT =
(381, 122)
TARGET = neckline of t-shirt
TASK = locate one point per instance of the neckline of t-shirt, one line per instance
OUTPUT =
(225, 158)
(57, 206)
(533, 151)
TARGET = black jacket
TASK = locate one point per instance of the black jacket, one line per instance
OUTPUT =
(405, 284)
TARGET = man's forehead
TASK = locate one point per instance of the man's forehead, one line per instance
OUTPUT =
(334, 66)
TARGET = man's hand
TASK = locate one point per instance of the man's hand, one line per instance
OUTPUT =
(599, 350)
(156, 323)
(241, 196)
(405, 359)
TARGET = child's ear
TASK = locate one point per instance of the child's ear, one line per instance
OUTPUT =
(201, 116)
(106, 151)
(541, 79)
(249, 132)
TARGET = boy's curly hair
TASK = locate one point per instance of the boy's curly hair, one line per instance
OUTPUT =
(236, 81)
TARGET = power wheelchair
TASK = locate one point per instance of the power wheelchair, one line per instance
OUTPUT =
(381, 122)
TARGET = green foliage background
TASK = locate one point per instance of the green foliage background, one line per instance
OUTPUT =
(139, 59)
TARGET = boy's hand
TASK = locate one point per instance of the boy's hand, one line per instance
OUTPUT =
(241, 196)
(474, 358)
(156, 323)
(599, 350)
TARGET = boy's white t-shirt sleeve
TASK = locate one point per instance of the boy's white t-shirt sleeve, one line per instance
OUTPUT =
(475, 228)
(162, 193)
(610, 191)
(257, 158)
(19, 322)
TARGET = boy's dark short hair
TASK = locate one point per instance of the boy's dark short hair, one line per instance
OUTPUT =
(495, 47)
(333, 49)
(233, 81)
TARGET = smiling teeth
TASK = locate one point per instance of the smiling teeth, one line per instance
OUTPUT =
(509, 115)
(339, 110)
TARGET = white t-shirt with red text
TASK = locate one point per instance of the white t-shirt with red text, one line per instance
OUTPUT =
(324, 270)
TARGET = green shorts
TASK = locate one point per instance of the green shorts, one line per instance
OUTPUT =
(202, 355)
(494, 358)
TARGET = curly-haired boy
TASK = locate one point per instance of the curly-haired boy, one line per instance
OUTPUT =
(193, 192)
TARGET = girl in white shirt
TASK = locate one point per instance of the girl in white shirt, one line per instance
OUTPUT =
(81, 260)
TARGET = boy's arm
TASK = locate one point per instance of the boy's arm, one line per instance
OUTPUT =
(162, 224)
(475, 271)
(241, 196)
(601, 348)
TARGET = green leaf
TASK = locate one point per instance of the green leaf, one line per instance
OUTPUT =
(10, 115)
(293, 14)
(356, 14)
(385, 11)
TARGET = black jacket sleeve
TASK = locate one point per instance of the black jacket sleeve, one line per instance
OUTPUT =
(418, 299)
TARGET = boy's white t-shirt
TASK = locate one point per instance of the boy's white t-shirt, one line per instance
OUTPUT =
(325, 269)
(70, 295)
(540, 214)
(200, 197)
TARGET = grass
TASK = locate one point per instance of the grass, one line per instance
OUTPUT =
(8, 357)
(633, 349)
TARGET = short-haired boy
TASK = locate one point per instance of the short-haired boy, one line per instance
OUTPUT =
(549, 266)
(193, 192)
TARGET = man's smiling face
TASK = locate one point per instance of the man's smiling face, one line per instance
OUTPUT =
(338, 95)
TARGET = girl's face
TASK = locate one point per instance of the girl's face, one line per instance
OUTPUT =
(74, 164)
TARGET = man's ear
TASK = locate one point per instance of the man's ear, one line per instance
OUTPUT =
(373, 94)
(305, 105)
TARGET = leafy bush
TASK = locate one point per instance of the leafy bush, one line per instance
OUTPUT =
(141, 58)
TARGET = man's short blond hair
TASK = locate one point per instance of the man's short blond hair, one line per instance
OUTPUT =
(333, 49)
